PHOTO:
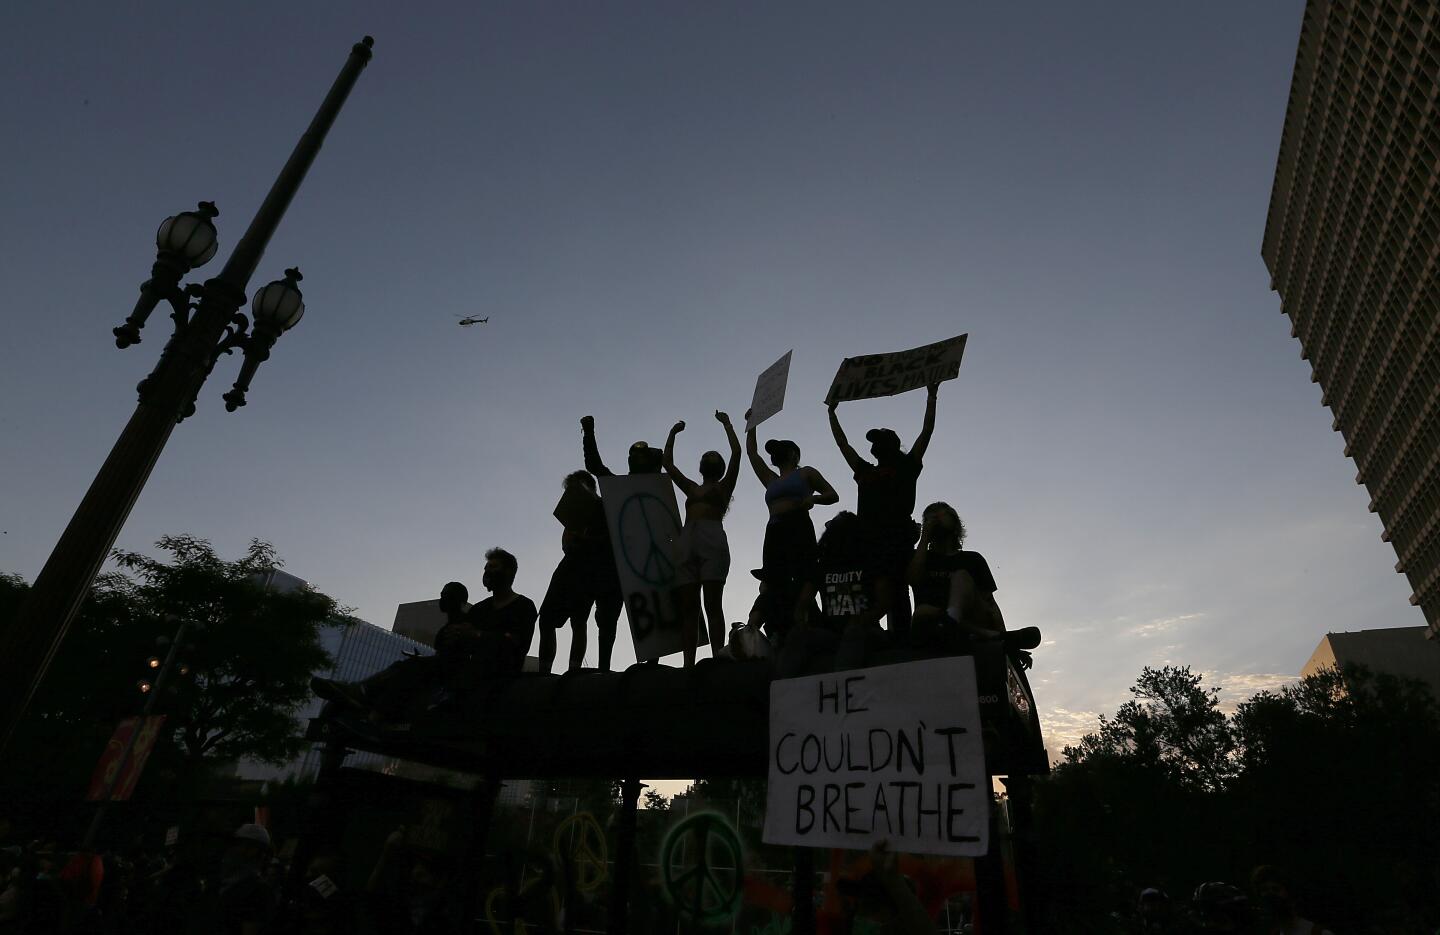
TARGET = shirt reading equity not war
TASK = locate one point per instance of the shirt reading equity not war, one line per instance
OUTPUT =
(890, 752)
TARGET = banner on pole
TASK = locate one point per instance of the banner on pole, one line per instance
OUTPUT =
(769, 395)
(644, 523)
(890, 752)
(872, 375)
(124, 775)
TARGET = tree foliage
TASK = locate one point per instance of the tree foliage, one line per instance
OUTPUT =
(249, 651)
(1332, 777)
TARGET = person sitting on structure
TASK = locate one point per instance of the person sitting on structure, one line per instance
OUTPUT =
(851, 604)
(885, 500)
(505, 621)
(791, 491)
(463, 654)
(585, 577)
(702, 555)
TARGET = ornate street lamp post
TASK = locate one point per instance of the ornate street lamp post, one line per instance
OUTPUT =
(208, 324)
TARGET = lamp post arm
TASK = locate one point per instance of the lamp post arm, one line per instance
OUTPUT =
(29, 644)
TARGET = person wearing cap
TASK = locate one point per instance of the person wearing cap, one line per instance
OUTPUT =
(246, 900)
(702, 560)
(791, 492)
(885, 502)
(642, 459)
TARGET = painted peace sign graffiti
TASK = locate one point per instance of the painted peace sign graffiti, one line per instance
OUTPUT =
(648, 519)
(703, 867)
(580, 842)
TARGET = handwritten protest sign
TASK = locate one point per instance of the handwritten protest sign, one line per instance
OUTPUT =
(644, 523)
(769, 395)
(889, 752)
(874, 375)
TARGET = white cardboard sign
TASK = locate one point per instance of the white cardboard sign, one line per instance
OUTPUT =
(890, 752)
(644, 523)
(871, 375)
(769, 395)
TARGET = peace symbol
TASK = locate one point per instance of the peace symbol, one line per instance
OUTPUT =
(650, 513)
(703, 868)
(580, 842)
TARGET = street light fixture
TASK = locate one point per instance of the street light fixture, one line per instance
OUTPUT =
(208, 324)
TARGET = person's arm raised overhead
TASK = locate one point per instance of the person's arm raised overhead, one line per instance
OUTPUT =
(851, 458)
(732, 467)
(762, 470)
(593, 464)
(686, 485)
(917, 450)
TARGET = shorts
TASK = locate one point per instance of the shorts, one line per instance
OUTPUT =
(580, 581)
(889, 545)
(702, 553)
(789, 551)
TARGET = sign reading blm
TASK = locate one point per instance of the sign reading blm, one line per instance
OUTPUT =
(644, 523)
(890, 752)
(872, 375)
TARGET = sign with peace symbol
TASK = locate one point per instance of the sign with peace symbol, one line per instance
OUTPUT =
(644, 524)
(703, 867)
(580, 843)
(647, 527)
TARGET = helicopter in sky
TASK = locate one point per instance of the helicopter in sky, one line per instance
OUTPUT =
(472, 320)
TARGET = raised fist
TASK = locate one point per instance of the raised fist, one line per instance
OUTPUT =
(587, 423)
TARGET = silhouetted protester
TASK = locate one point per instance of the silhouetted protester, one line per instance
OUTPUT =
(642, 459)
(851, 602)
(1278, 913)
(245, 897)
(413, 893)
(954, 589)
(702, 554)
(415, 680)
(1153, 911)
(584, 578)
(42, 903)
(1220, 907)
(791, 491)
(884, 898)
(505, 620)
(885, 500)
(324, 906)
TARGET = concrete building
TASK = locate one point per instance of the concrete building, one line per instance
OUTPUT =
(1400, 651)
(1352, 241)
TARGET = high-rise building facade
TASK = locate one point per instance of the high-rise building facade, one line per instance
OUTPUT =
(1351, 243)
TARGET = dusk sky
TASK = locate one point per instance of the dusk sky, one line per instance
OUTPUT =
(652, 202)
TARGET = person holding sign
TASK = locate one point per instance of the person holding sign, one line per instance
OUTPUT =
(885, 501)
(791, 491)
(584, 578)
(702, 555)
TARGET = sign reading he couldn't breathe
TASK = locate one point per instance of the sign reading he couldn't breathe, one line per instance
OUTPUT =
(890, 752)
(871, 375)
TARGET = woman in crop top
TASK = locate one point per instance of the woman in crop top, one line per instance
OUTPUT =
(789, 554)
(954, 589)
(702, 554)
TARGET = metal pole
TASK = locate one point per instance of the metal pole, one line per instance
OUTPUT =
(28, 646)
(134, 737)
(619, 915)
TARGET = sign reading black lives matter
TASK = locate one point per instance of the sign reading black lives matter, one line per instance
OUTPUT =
(890, 752)
(644, 522)
(769, 395)
(872, 375)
